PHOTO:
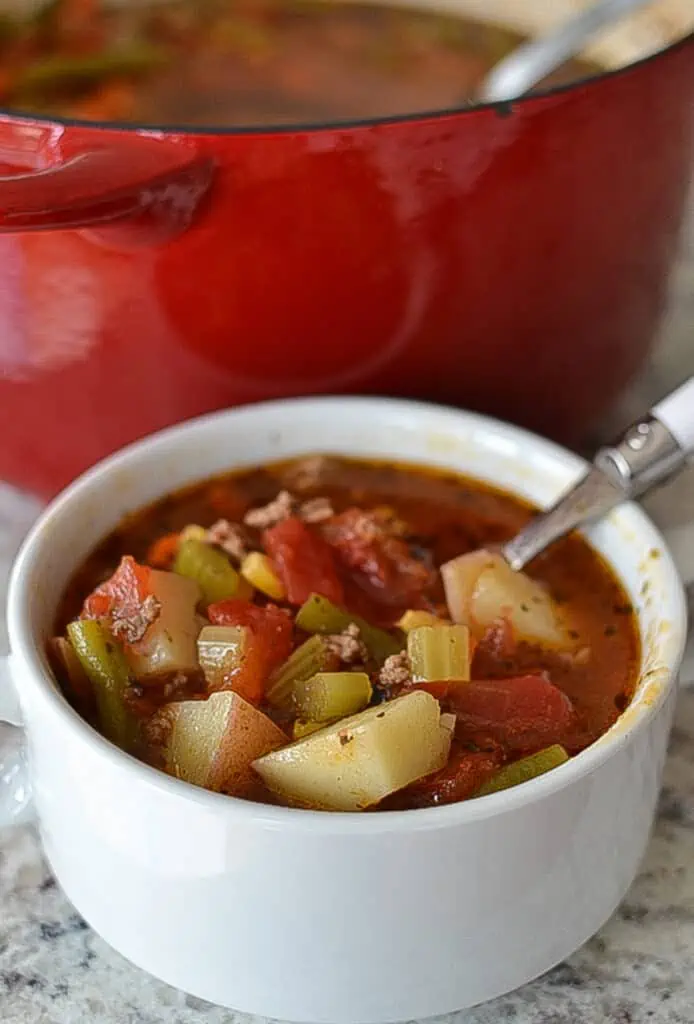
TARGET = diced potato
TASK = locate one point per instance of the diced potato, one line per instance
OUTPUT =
(460, 578)
(358, 761)
(212, 743)
(169, 645)
(482, 588)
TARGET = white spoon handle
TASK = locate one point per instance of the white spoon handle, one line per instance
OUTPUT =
(676, 412)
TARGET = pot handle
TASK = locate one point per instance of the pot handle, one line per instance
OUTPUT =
(130, 193)
(15, 793)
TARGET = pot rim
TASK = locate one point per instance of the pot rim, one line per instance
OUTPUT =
(37, 677)
(502, 108)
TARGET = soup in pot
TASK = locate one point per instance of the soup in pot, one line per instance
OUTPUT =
(341, 635)
(246, 62)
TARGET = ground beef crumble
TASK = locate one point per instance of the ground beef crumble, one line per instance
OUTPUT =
(157, 729)
(307, 473)
(317, 510)
(277, 510)
(348, 646)
(396, 672)
(285, 505)
(132, 626)
(230, 537)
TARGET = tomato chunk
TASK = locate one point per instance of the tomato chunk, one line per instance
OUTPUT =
(123, 593)
(304, 561)
(460, 779)
(525, 714)
(383, 564)
(270, 643)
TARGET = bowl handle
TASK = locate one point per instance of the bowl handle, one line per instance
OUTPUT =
(133, 192)
(15, 792)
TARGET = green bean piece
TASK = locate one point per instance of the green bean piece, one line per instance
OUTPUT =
(211, 570)
(107, 670)
(524, 770)
(319, 615)
(330, 695)
(311, 657)
(42, 77)
(439, 652)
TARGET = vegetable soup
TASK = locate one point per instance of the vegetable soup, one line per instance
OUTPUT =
(244, 62)
(341, 635)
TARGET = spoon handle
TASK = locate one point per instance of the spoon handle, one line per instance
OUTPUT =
(651, 451)
(529, 63)
(676, 412)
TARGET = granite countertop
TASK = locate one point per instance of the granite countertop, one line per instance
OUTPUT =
(638, 970)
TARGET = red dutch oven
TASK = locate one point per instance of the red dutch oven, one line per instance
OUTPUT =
(510, 258)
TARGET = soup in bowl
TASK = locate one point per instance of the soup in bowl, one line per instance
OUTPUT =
(406, 911)
(354, 643)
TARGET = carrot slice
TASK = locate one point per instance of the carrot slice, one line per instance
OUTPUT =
(162, 551)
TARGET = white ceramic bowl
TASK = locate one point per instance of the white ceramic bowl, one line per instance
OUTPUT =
(322, 917)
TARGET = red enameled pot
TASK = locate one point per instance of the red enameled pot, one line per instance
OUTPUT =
(512, 259)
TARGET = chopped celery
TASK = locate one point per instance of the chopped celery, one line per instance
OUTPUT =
(524, 770)
(107, 670)
(330, 695)
(313, 656)
(319, 615)
(211, 570)
(439, 652)
(260, 572)
(413, 619)
(220, 652)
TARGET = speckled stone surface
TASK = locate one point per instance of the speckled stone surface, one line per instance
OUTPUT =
(638, 970)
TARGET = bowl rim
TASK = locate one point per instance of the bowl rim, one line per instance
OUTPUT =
(37, 676)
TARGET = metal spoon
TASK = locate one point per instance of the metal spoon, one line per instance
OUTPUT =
(651, 451)
(531, 62)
